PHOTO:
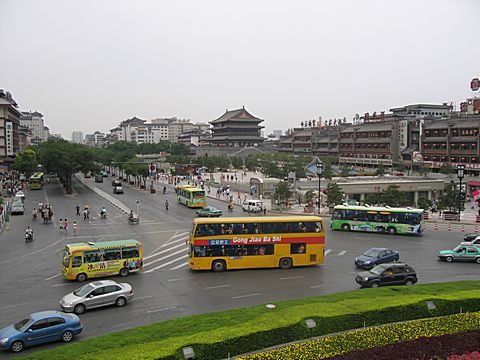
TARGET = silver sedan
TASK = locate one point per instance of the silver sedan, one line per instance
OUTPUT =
(96, 294)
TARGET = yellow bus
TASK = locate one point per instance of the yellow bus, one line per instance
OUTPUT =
(256, 242)
(35, 182)
(191, 196)
(90, 260)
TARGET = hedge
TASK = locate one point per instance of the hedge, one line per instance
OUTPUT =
(238, 331)
(330, 346)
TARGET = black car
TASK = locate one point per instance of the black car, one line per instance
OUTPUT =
(470, 236)
(116, 183)
(98, 178)
(387, 274)
(376, 256)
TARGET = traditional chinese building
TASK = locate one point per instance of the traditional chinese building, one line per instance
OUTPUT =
(236, 128)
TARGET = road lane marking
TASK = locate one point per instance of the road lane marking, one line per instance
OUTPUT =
(141, 298)
(292, 277)
(33, 253)
(244, 296)
(163, 309)
(343, 252)
(179, 279)
(52, 277)
(181, 234)
(327, 251)
(316, 286)
(10, 306)
(124, 234)
(162, 252)
(179, 266)
(61, 284)
(165, 257)
(217, 287)
(166, 264)
(175, 241)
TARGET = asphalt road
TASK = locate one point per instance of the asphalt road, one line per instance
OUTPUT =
(31, 281)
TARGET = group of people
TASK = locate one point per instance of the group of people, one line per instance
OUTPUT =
(45, 211)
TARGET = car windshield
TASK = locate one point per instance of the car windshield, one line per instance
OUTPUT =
(19, 325)
(378, 270)
(458, 248)
(372, 253)
(84, 290)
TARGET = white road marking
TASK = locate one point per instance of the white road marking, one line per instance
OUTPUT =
(52, 277)
(162, 252)
(61, 284)
(244, 296)
(33, 253)
(166, 264)
(327, 251)
(316, 286)
(10, 306)
(175, 241)
(163, 309)
(165, 257)
(292, 277)
(217, 287)
(125, 234)
(181, 234)
(179, 279)
(179, 266)
(343, 252)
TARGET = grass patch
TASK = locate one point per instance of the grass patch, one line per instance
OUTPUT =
(214, 335)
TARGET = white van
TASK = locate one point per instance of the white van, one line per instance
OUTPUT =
(253, 205)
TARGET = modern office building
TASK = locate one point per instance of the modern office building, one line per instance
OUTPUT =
(77, 137)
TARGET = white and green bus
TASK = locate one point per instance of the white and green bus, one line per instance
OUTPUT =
(191, 196)
(387, 220)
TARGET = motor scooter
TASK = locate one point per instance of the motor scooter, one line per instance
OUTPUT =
(28, 237)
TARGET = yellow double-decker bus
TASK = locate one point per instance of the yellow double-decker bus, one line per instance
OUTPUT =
(256, 242)
(35, 182)
(90, 260)
(192, 197)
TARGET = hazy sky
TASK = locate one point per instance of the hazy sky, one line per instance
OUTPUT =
(89, 64)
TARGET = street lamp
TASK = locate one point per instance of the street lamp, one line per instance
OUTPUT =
(460, 175)
(319, 174)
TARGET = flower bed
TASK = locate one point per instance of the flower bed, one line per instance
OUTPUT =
(368, 338)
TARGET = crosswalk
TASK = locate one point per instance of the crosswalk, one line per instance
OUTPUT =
(173, 255)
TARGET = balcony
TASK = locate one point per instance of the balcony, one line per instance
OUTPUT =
(464, 151)
(435, 151)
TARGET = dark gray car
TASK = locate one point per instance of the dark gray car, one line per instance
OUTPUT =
(96, 294)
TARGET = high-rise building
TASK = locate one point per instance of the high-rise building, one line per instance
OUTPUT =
(77, 137)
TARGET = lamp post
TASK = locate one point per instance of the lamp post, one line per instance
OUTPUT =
(460, 175)
(319, 174)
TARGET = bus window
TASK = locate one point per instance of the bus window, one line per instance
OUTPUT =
(112, 254)
(384, 217)
(299, 248)
(278, 227)
(265, 228)
(293, 227)
(237, 229)
(76, 261)
(337, 215)
(93, 256)
(130, 252)
(372, 216)
(200, 251)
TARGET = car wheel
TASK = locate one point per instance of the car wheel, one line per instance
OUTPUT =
(219, 266)
(449, 259)
(81, 277)
(409, 281)
(397, 259)
(79, 309)
(17, 346)
(67, 336)
(285, 263)
(477, 260)
(123, 272)
(121, 301)
(345, 227)
(392, 230)
(374, 284)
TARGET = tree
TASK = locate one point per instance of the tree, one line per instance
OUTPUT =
(400, 167)
(380, 170)
(449, 198)
(327, 170)
(310, 197)
(271, 169)
(424, 203)
(26, 162)
(237, 162)
(345, 170)
(423, 169)
(283, 191)
(446, 169)
(391, 196)
(251, 162)
(371, 198)
(334, 194)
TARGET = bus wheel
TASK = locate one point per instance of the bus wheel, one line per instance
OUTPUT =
(219, 266)
(345, 227)
(123, 272)
(285, 263)
(392, 230)
(81, 277)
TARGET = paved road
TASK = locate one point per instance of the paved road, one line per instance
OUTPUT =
(167, 288)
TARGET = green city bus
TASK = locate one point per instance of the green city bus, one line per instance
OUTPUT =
(191, 196)
(377, 219)
(35, 182)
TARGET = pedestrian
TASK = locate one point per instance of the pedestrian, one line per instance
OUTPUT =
(85, 214)
(264, 210)
(65, 225)
(61, 225)
(75, 228)
(77, 207)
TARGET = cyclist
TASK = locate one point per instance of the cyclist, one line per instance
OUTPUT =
(34, 214)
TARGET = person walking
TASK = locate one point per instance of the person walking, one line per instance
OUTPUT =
(61, 225)
(77, 207)
(75, 228)
(166, 205)
(65, 225)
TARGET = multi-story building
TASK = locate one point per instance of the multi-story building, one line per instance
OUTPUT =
(24, 137)
(9, 123)
(95, 139)
(236, 128)
(34, 121)
(77, 137)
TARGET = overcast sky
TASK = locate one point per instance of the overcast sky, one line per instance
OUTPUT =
(89, 64)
